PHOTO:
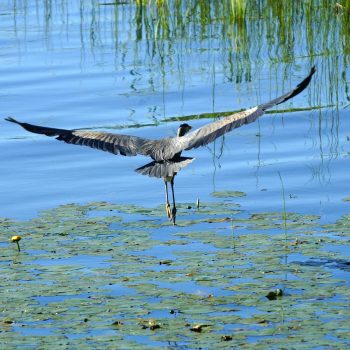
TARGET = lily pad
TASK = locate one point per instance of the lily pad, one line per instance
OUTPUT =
(228, 194)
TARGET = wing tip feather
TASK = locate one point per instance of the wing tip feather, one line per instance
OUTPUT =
(12, 120)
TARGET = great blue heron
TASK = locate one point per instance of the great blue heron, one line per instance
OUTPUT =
(165, 152)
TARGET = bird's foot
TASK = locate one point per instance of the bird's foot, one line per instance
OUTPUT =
(168, 212)
(173, 215)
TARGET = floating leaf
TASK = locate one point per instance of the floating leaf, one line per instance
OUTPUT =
(228, 194)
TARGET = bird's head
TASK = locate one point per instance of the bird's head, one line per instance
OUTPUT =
(183, 129)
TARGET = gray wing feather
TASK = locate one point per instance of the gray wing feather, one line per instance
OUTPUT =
(297, 90)
(210, 132)
(114, 143)
(167, 148)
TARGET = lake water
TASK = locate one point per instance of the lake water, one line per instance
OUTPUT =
(143, 70)
(72, 65)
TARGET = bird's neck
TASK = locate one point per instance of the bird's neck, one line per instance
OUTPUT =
(181, 132)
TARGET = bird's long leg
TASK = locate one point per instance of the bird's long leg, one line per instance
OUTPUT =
(173, 212)
(167, 204)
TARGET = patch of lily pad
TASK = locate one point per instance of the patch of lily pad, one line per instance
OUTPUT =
(228, 194)
(108, 276)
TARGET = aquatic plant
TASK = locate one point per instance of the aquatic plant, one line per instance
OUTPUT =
(103, 275)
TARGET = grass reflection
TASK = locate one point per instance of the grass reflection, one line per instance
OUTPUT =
(243, 36)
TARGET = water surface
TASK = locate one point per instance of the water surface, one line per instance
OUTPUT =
(143, 69)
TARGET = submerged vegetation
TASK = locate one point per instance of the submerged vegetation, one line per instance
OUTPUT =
(105, 276)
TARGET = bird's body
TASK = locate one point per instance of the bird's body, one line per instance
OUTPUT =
(165, 152)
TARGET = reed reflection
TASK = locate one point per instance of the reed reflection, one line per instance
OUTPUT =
(241, 38)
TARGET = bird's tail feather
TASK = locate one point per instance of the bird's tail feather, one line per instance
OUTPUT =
(164, 168)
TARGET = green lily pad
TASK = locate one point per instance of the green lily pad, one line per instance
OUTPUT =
(228, 194)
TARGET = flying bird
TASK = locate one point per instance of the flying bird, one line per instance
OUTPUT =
(165, 152)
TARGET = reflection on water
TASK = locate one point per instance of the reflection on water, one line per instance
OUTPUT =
(240, 39)
(140, 64)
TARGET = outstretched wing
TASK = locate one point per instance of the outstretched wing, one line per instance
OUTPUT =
(210, 132)
(114, 143)
(167, 148)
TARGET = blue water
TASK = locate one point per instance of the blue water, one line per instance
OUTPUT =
(77, 68)
(62, 71)
(83, 66)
